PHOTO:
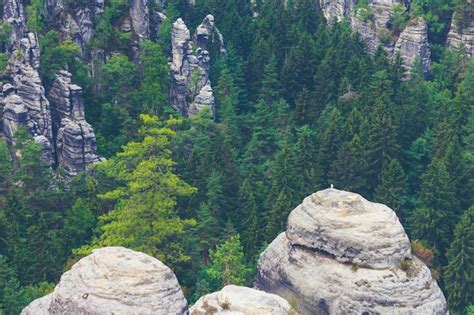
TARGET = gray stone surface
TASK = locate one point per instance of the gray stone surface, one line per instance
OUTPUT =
(235, 300)
(462, 34)
(190, 66)
(205, 99)
(75, 141)
(412, 44)
(114, 280)
(39, 306)
(336, 10)
(349, 228)
(15, 115)
(140, 16)
(76, 146)
(341, 255)
(23, 68)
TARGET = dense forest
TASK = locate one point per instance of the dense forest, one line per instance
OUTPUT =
(300, 105)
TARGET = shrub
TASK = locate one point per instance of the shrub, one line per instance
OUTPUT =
(354, 268)
(406, 265)
(424, 253)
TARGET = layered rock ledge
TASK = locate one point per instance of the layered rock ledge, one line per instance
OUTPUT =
(342, 254)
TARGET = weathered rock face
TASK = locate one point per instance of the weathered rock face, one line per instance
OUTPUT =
(140, 16)
(413, 43)
(462, 33)
(14, 13)
(114, 280)
(205, 99)
(76, 23)
(75, 139)
(372, 23)
(191, 88)
(15, 115)
(336, 10)
(76, 146)
(23, 68)
(241, 300)
(342, 254)
(374, 30)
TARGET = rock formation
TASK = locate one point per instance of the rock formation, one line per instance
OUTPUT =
(336, 10)
(344, 254)
(14, 116)
(241, 300)
(75, 140)
(462, 32)
(14, 13)
(114, 280)
(23, 68)
(412, 44)
(140, 17)
(373, 24)
(191, 88)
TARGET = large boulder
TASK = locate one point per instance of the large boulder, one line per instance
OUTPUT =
(114, 280)
(241, 300)
(343, 254)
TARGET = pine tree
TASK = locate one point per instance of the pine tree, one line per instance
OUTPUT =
(298, 68)
(305, 109)
(153, 72)
(382, 144)
(330, 140)
(206, 232)
(392, 188)
(227, 263)
(145, 218)
(271, 90)
(306, 164)
(435, 219)
(278, 214)
(348, 169)
(250, 224)
(459, 273)
(79, 221)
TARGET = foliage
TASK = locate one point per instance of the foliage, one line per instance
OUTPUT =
(299, 106)
(35, 19)
(227, 263)
(57, 55)
(459, 275)
(144, 217)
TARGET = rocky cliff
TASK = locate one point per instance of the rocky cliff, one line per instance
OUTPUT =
(373, 23)
(75, 139)
(462, 32)
(56, 121)
(191, 89)
(343, 254)
(412, 45)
